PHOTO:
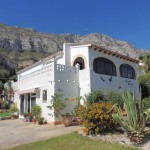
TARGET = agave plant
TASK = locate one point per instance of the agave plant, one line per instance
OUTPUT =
(134, 123)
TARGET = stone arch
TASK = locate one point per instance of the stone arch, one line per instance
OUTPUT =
(81, 61)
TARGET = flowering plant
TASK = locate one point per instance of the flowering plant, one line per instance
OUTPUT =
(97, 118)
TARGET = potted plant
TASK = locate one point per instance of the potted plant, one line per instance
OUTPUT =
(75, 110)
(40, 120)
(58, 104)
(25, 116)
(34, 119)
(66, 119)
(36, 111)
(30, 116)
(14, 111)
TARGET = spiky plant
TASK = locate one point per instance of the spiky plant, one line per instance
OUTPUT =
(134, 123)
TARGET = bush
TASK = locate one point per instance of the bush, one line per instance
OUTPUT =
(5, 105)
(40, 120)
(109, 96)
(58, 103)
(144, 80)
(96, 118)
(146, 103)
(95, 97)
(14, 108)
(36, 111)
(114, 97)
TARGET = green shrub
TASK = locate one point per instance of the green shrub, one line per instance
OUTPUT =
(96, 118)
(114, 97)
(5, 105)
(14, 108)
(36, 111)
(40, 120)
(95, 97)
(109, 96)
(144, 80)
(58, 103)
(146, 103)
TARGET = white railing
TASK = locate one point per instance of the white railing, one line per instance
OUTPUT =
(38, 72)
(45, 69)
(64, 68)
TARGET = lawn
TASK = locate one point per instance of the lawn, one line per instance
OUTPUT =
(5, 114)
(71, 141)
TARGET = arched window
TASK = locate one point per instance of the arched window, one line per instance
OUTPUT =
(127, 71)
(104, 66)
(79, 61)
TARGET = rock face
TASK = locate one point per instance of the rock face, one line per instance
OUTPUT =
(23, 41)
(7, 63)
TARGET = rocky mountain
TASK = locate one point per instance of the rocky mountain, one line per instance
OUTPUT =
(25, 46)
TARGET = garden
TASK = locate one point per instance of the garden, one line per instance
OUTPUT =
(8, 111)
(110, 113)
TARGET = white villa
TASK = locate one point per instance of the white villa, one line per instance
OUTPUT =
(77, 70)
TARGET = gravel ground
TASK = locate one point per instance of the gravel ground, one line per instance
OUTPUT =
(120, 139)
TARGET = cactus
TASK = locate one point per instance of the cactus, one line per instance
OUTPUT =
(134, 123)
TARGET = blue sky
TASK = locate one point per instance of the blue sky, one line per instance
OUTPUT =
(127, 20)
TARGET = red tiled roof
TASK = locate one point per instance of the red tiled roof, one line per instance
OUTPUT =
(109, 52)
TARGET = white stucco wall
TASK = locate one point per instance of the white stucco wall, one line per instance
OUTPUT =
(38, 78)
(67, 79)
(65, 60)
(39, 101)
(80, 51)
(117, 83)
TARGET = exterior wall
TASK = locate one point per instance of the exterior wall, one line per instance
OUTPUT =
(31, 79)
(50, 77)
(84, 75)
(67, 79)
(39, 101)
(39, 78)
(100, 81)
(80, 51)
(65, 60)
(84, 83)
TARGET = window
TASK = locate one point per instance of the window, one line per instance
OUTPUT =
(126, 71)
(104, 66)
(79, 61)
(44, 95)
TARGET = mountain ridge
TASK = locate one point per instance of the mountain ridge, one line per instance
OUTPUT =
(26, 46)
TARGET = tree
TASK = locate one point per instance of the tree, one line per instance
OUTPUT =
(145, 60)
(8, 89)
(1, 86)
(144, 80)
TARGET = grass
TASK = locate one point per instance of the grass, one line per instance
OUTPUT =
(5, 114)
(71, 141)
